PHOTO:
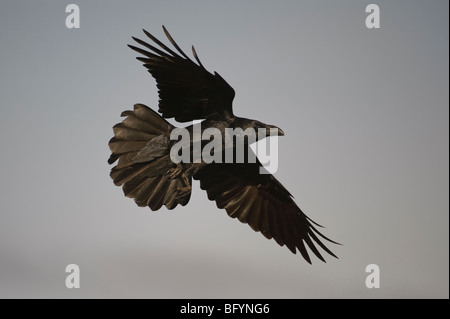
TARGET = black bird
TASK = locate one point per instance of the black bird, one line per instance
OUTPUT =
(141, 143)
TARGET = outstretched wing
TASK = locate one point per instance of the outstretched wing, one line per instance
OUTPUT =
(187, 91)
(262, 202)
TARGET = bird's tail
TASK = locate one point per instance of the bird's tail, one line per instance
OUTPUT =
(145, 170)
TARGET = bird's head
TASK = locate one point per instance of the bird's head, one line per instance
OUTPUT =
(270, 130)
(279, 131)
(262, 130)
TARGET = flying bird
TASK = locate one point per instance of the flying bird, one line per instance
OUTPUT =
(146, 172)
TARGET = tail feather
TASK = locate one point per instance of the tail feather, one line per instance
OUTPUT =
(145, 170)
(125, 160)
(122, 132)
(121, 147)
(148, 115)
(155, 200)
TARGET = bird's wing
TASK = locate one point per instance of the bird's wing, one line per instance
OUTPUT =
(261, 201)
(187, 91)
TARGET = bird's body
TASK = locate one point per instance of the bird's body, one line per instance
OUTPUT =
(148, 173)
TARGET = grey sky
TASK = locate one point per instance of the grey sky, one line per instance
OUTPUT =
(365, 113)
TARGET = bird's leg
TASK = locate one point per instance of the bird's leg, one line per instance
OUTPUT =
(183, 191)
(174, 172)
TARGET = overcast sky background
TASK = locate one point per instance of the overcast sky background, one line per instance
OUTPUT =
(366, 118)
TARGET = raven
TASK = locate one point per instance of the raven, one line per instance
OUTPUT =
(145, 170)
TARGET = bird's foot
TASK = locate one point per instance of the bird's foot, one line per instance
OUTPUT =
(174, 172)
(183, 192)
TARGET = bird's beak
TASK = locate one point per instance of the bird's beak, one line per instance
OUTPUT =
(279, 133)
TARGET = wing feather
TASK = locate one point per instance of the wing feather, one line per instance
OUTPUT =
(263, 203)
(187, 91)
